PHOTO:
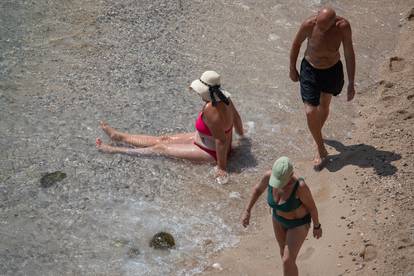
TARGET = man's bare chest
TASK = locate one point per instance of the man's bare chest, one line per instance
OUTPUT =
(329, 42)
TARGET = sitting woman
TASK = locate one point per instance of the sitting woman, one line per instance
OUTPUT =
(293, 209)
(211, 142)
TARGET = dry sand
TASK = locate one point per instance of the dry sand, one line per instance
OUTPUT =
(364, 196)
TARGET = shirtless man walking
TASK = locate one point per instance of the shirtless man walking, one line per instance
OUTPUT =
(321, 73)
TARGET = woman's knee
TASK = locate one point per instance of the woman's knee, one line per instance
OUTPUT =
(288, 260)
(159, 148)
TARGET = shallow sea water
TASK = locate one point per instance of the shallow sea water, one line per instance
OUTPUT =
(66, 65)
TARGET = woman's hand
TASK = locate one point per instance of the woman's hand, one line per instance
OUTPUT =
(317, 233)
(222, 177)
(220, 172)
(245, 218)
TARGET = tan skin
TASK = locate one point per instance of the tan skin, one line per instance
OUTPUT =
(218, 118)
(289, 240)
(325, 32)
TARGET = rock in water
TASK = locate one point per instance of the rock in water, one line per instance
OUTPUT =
(162, 240)
(51, 178)
(133, 252)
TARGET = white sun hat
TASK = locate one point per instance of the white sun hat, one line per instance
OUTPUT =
(202, 86)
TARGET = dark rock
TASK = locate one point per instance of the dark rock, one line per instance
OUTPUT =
(162, 240)
(50, 179)
(410, 15)
(133, 252)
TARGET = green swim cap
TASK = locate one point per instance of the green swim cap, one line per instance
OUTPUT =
(281, 172)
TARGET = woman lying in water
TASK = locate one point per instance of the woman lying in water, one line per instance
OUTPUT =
(293, 209)
(211, 142)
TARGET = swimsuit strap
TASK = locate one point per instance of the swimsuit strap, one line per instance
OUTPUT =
(294, 189)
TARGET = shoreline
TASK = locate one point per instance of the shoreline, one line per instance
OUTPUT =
(369, 194)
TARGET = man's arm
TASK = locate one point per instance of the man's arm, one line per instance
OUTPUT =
(301, 35)
(349, 57)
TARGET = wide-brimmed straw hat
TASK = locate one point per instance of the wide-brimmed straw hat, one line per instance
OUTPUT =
(202, 85)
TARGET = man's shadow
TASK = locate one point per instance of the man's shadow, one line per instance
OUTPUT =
(242, 156)
(363, 156)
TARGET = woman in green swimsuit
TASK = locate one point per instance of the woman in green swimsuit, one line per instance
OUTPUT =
(293, 209)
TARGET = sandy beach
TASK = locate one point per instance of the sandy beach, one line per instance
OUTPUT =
(365, 194)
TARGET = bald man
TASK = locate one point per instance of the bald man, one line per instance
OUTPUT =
(321, 72)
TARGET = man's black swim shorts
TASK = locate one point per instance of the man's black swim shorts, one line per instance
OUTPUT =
(313, 81)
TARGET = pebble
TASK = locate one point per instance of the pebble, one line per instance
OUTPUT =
(133, 252)
(235, 195)
(217, 266)
(368, 252)
(359, 267)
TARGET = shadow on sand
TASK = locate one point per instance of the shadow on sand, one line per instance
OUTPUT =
(242, 157)
(363, 156)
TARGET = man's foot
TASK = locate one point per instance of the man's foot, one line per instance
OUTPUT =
(111, 132)
(104, 147)
(320, 160)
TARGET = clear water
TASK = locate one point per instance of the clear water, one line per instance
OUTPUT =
(65, 65)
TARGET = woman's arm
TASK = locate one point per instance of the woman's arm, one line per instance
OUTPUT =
(237, 121)
(216, 127)
(221, 148)
(257, 191)
(306, 197)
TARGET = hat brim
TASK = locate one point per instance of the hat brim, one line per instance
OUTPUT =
(203, 90)
(274, 182)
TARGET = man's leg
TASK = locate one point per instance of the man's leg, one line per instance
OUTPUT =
(314, 120)
(324, 107)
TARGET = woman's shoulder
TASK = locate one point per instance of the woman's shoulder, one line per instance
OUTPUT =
(301, 182)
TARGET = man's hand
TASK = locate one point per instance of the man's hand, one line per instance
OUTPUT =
(245, 218)
(351, 92)
(293, 74)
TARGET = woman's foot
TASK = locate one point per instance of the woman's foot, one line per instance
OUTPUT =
(111, 132)
(101, 146)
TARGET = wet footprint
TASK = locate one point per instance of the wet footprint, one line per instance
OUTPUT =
(307, 254)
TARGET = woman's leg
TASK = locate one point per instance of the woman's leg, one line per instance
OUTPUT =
(294, 240)
(181, 151)
(280, 234)
(146, 140)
